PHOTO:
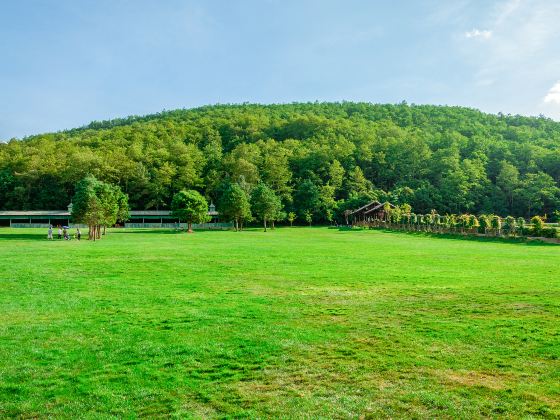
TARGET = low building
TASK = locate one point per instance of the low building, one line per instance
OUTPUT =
(34, 218)
(137, 219)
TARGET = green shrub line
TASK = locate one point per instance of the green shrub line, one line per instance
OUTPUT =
(487, 225)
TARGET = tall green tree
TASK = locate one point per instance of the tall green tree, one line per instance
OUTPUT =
(265, 204)
(508, 181)
(307, 199)
(98, 204)
(86, 205)
(234, 205)
(539, 193)
(291, 217)
(356, 183)
(189, 206)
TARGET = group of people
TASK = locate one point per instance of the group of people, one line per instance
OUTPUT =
(63, 233)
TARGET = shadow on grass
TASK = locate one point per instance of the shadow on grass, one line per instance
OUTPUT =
(457, 236)
(163, 231)
(29, 236)
(25, 237)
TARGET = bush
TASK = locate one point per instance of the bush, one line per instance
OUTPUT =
(510, 225)
(549, 232)
(484, 223)
(496, 223)
(473, 222)
(525, 231)
(538, 225)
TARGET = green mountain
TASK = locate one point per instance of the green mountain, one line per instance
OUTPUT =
(332, 155)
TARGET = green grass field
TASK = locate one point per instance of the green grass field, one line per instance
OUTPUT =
(310, 322)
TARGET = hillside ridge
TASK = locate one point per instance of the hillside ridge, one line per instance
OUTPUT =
(448, 158)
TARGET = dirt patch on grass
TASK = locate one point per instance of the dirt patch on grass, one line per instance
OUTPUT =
(471, 378)
(521, 307)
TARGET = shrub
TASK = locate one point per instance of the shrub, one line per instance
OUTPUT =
(473, 222)
(538, 225)
(484, 222)
(428, 218)
(510, 224)
(496, 223)
(549, 232)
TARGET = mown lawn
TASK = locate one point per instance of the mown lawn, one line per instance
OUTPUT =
(310, 322)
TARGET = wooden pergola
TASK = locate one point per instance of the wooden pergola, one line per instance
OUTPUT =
(373, 210)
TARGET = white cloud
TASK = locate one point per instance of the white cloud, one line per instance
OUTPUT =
(480, 34)
(521, 31)
(521, 56)
(553, 95)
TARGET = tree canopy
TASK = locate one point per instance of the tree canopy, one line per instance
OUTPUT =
(97, 203)
(189, 206)
(317, 157)
(234, 205)
(265, 204)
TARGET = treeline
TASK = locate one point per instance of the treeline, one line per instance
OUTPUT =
(318, 158)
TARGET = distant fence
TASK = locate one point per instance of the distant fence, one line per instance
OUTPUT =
(207, 226)
(44, 225)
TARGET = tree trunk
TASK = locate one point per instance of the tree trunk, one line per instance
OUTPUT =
(264, 220)
(104, 230)
(273, 225)
(189, 228)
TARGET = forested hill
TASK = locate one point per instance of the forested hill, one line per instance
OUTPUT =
(451, 159)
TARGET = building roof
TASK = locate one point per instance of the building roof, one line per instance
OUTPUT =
(66, 213)
(370, 207)
(35, 213)
(379, 206)
(161, 213)
(371, 203)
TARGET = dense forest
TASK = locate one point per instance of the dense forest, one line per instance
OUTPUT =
(325, 156)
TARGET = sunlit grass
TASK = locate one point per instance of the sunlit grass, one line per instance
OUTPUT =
(310, 321)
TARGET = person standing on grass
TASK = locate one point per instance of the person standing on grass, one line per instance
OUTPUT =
(49, 234)
(78, 233)
(65, 234)
(59, 232)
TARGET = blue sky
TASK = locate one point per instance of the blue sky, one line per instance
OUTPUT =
(65, 63)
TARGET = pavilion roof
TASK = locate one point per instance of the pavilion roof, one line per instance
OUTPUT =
(371, 203)
(379, 206)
